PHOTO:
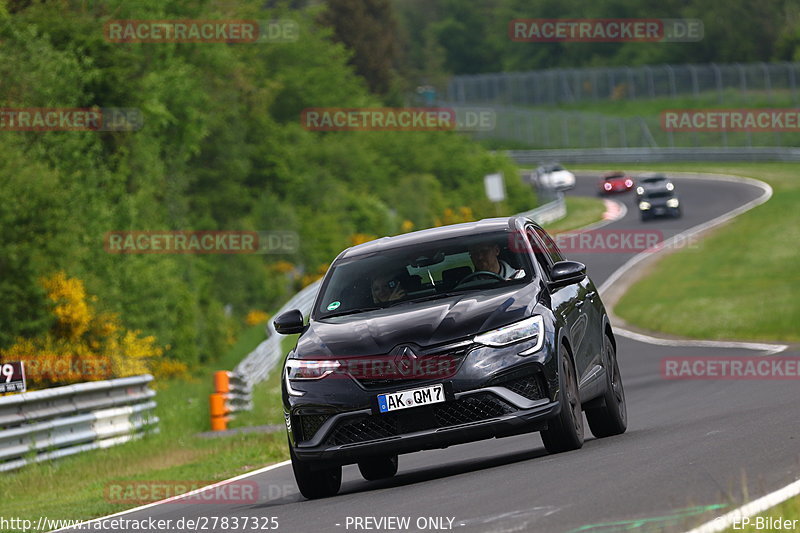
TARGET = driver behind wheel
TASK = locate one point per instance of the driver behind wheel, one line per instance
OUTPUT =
(485, 258)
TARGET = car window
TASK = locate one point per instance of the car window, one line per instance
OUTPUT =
(544, 249)
(422, 271)
(551, 249)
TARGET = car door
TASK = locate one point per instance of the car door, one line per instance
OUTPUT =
(571, 302)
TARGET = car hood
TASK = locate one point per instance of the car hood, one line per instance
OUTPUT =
(425, 324)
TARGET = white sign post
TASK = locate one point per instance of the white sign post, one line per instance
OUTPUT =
(495, 189)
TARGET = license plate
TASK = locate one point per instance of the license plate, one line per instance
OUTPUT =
(395, 401)
(660, 210)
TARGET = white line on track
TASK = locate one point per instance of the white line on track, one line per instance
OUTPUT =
(721, 523)
(177, 497)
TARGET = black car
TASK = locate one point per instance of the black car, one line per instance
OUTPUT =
(652, 183)
(659, 203)
(446, 336)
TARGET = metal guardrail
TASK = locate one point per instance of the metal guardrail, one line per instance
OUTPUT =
(654, 155)
(549, 212)
(256, 366)
(62, 421)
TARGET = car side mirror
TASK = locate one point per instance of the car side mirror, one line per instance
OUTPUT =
(289, 322)
(566, 273)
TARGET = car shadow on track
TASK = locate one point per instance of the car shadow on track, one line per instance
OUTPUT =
(431, 473)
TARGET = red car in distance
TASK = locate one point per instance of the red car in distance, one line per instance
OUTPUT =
(615, 181)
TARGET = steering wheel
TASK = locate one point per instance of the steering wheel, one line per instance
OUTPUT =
(477, 273)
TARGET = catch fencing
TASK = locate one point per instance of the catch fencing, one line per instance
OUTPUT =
(772, 81)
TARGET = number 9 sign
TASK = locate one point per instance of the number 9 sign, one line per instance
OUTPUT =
(12, 377)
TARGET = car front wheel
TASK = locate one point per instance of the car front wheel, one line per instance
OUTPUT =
(315, 482)
(611, 418)
(565, 431)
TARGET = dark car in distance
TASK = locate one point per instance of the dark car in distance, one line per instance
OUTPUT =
(653, 182)
(446, 336)
(659, 203)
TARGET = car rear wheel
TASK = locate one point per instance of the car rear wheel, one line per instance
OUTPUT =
(612, 417)
(378, 467)
(565, 431)
(316, 482)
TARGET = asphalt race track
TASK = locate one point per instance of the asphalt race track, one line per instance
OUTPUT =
(690, 443)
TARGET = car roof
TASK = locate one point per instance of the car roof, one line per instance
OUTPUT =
(613, 174)
(434, 234)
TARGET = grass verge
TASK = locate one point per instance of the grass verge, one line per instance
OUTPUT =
(581, 211)
(788, 510)
(742, 282)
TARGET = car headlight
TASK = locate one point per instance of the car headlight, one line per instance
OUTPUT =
(304, 370)
(670, 186)
(628, 183)
(607, 186)
(297, 369)
(639, 190)
(673, 202)
(644, 206)
(529, 328)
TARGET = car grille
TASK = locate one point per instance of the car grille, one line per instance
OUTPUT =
(455, 356)
(526, 386)
(365, 428)
(309, 425)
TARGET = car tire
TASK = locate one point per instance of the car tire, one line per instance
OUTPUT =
(645, 218)
(611, 418)
(316, 482)
(378, 467)
(565, 431)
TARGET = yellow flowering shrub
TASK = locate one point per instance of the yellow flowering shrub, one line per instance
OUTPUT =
(256, 316)
(83, 345)
(361, 238)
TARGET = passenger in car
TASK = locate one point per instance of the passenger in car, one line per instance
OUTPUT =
(387, 288)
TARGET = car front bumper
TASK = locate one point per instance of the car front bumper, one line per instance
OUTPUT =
(520, 421)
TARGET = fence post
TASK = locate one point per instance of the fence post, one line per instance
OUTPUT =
(717, 81)
(671, 75)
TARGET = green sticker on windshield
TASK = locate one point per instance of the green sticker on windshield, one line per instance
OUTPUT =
(334, 305)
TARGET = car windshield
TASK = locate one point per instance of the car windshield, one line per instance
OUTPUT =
(553, 168)
(655, 179)
(614, 176)
(424, 271)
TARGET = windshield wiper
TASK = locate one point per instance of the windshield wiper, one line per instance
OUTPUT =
(353, 311)
(430, 297)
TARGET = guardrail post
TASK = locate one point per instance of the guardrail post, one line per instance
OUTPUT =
(217, 402)
(217, 407)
